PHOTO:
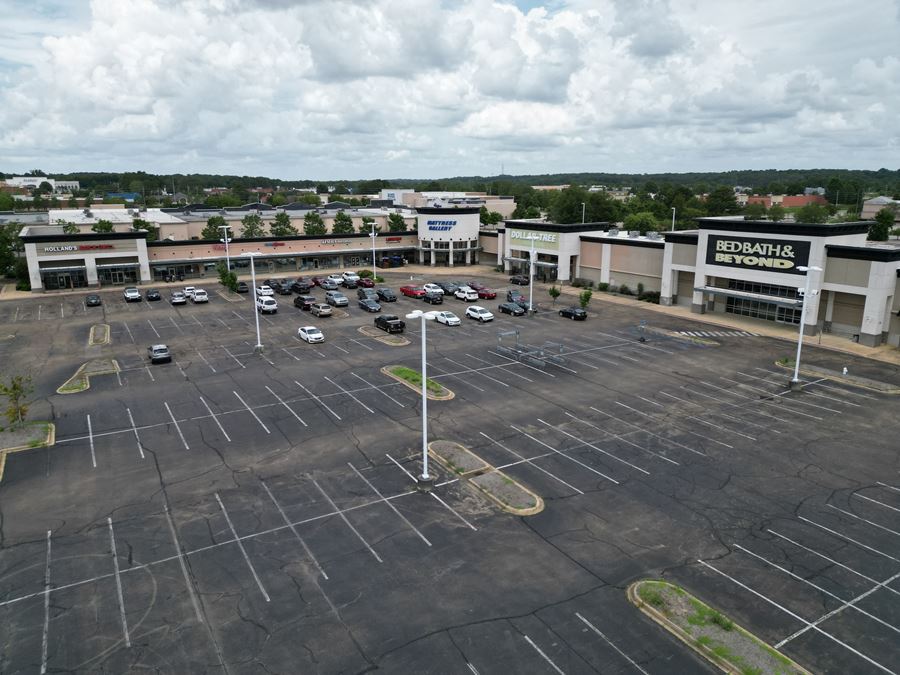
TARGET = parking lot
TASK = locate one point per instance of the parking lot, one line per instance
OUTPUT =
(243, 512)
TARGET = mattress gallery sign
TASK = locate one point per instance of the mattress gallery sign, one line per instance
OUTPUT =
(777, 255)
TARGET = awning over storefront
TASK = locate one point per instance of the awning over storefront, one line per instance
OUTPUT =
(70, 268)
(122, 264)
(774, 299)
(524, 261)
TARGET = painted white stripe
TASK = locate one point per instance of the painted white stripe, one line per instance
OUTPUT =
(350, 394)
(451, 510)
(889, 487)
(177, 428)
(687, 431)
(562, 454)
(740, 407)
(610, 643)
(531, 463)
(62, 312)
(200, 354)
(757, 401)
(702, 421)
(115, 558)
(171, 319)
(768, 428)
(150, 373)
(510, 372)
(289, 409)
(154, 328)
(250, 410)
(181, 563)
(865, 520)
(545, 657)
(796, 616)
(46, 634)
(293, 529)
(317, 399)
(875, 501)
(130, 334)
(389, 504)
(594, 447)
(293, 356)
(621, 438)
(378, 389)
(361, 344)
(436, 373)
(846, 538)
(513, 362)
(401, 467)
(240, 544)
(476, 371)
(137, 438)
(91, 437)
(215, 419)
(650, 433)
(233, 356)
(346, 520)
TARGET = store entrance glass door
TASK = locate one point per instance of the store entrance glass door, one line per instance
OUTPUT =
(63, 280)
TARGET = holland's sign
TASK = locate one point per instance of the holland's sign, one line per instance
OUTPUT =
(778, 255)
(83, 247)
(440, 225)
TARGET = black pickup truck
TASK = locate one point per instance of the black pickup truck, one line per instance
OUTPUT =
(390, 323)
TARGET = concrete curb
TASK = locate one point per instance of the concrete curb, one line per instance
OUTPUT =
(431, 397)
(452, 468)
(80, 373)
(849, 380)
(92, 338)
(391, 340)
(49, 440)
(660, 618)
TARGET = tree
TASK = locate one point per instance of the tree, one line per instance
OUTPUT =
(343, 223)
(278, 199)
(553, 292)
(601, 208)
(321, 189)
(282, 226)
(833, 189)
(643, 222)
(721, 202)
(212, 231)
(584, 298)
(16, 391)
(567, 206)
(309, 198)
(227, 278)
(70, 228)
(793, 188)
(7, 202)
(755, 211)
(251, 226)
(812, 213)
(367, 223)
(396, 223)
(313, 224)
(776, 213)
(881, 227)
(10, 246)
(44, 188)
(151, 228)
(103, 226)
(88, 199)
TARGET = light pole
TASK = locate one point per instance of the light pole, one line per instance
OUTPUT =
(425, 481)
(795, 382)
(374, 271)
(582, 213)
(673, 219)
(252, 255)
(225, 239)
(531, 278)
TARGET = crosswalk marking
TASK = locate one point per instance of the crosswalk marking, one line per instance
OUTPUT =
(717, 333)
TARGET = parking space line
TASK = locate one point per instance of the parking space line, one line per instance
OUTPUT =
(91, 437)
(865, 520)
(451, 510)
(831, 560)
(378, 389)
(688, 431)
(150, 373)
(154, 328)
(361, 344)
(768, 428)
(508, 372)
(477, 371)
(545, 657)
(46, 634)
(350, 394)
(389, 504)
(531, 463)
(215, 419)
(115, 558)
(200, 354)
(513, 362)
(228, 326)
(846, 538)
(176, 325)
(196, 320)
(130, 334)
(621, 438)
(846, 603)
(291, 410)
(889, 487)
(594, 447)
(40, 307)
(184, 572)
(135, 431)
(610, 643)
(562, 454)
(782, 394)
(436, 373)
(62, 312)
(337, 346)
(250, 410)
(739, 407)
(177, 428)
(760, 401)
(237, 540)
(875, 501)
(795, 616)
(346, 520)
(233, 356)
(655, 435)
(702, 421)
(317, 399)
(245, 320)
(293, 356)
(293, 529)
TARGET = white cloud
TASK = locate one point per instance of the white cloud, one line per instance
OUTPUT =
(353, 88)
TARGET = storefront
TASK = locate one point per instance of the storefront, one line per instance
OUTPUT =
(555, 248)
(448, 236)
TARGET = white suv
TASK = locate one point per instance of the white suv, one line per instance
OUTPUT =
(479, 313)
(132, 294)
(199, 295)
(467, 294)
(350, 276)
(266, 305)
(433, 288)
(264, 291)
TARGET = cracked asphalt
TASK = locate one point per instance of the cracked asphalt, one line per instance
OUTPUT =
(264, 520)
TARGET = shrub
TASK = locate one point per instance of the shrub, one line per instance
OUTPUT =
(650, 296)
(640, 289)
(577, 283)
(365, 274)
(624, 290)
(602, 286)
(612, 288)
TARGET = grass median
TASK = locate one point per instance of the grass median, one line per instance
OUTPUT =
(413, 379)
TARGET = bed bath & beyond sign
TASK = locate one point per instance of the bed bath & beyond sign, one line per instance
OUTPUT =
(777, 255)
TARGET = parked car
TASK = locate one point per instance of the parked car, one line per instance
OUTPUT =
(265, 290)
(301, 286)
(477, 285)
(412, 291)
(486, 293)
(523, 303)
(243, 287)
(328, 285)
(574, 313)
(93, 300)
(336, 299)
(479, 313)
(199, 296)
(152, 294)
(447, 318)
(387, 295)
(514, 296)
(266, 304)
(348, 276)
(336, 278)
(349, 283)
(390, 323)
(304, 302)
(449, 287)
(159, 354)
(520, 279)
(467, 294)
(283, 288)
(433, 288)
(366, 293)
(511, 308)
(369, 305)
(433, 298)
(131, 294)
(189, 291)
(316, 281)
(178, 298)
(320, 309)
(310, 334)
(365, 282)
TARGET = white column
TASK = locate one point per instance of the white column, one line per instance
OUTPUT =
(605, 261)
(450, 254)
(563, 262)
(667, 283)
(144, 261)
(34, 272)
(90, 268)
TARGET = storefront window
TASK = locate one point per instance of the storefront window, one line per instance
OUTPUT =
(119, 275)
(55, 280)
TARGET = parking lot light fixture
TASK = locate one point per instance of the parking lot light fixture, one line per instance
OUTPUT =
(807, 293)
(531, 278)
(374, 271)
(252, 255)
(425, 481)
(225, 239)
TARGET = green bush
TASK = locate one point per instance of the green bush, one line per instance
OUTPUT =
(603, 286)
(365, 274)
(23, 286)
(640, 289)
(650, 296)
(624, 290)
(612, 288)
(228, 279)
(577, 283)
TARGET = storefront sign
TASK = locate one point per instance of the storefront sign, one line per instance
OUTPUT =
(393, 240)
(83, 247)
(778, 255)
(275, 243)
(545, 240)
(327, 242)
(440, 225)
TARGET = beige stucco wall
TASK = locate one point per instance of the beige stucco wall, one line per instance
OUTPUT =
(848, 309)
(591, 254)
(848, 272)
(489, 244)
(684, 254)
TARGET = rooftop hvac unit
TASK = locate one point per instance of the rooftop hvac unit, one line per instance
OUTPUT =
(653, 235)
(614, 232)
(634, 234)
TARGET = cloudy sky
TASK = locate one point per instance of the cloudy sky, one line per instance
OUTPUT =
(348, 89)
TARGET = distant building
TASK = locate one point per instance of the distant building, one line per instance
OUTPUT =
(872, 206)
(31, 182)
(787, 201)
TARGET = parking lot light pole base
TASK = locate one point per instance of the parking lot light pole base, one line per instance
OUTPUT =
(795, 385)
(425, 483)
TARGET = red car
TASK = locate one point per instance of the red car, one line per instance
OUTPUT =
(475, 286)
(365, 282)
(316, 281)
(486, 293)
(413, 291)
